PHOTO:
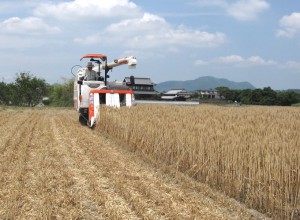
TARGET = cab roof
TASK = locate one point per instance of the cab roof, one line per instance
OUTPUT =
(92, 55)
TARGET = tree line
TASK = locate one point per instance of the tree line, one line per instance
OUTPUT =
(28, 90)
(265, 96)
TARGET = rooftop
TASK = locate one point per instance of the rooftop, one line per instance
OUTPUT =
(139, 81)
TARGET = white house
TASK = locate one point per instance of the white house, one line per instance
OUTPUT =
(176, 94)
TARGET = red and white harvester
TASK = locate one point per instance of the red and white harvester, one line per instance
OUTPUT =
(88, 95)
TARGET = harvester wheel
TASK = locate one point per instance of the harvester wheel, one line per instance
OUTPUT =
(82, 120)
(91, 126)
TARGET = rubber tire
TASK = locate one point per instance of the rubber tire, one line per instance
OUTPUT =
(82, 120)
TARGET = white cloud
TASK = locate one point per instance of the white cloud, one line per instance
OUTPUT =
(27, 26)
(138, 30)
(260, 61)
(194, 38)
(87, 9)
(230, 59)
(219, 3)
(243, 10)
(152, 31)
(200, 63)
(240, 61)
(148, 22)
(290, 25)
(293, 65)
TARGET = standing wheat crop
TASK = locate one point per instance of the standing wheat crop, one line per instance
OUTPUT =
(249, 153)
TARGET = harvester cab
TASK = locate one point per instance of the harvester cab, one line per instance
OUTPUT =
(90, 94)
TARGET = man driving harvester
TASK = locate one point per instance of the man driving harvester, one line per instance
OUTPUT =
(90, 74)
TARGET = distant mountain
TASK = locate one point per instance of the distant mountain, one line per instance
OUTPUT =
(202, 83)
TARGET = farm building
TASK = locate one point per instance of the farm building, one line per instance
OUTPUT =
(209, 94)
(176, 94)
(143, 87)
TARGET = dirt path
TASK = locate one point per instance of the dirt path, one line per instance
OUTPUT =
(54, 168)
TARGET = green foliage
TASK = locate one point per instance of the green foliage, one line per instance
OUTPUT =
(265, 96)
(27, 90)
(296, 105)
(61, 95)
(288, 98)
(223, 91)
(4, 94)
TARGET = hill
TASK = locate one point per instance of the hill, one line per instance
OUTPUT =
(202, 83)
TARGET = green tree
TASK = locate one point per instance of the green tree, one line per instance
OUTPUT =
(265, 96)
(287, 98)
(27, 90)
(4, 94)
(244, 96)
(61, 95)
(268, 96)
(223, 91)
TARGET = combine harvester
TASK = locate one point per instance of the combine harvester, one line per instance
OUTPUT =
(88, 95)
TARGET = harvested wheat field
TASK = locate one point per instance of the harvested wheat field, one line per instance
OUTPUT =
(54, 168)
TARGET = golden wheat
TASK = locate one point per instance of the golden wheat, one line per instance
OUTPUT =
(250, 153)
(53, 168)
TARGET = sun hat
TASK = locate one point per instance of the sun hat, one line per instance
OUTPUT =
(89, 64)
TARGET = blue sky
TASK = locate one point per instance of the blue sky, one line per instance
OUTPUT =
(241, 40)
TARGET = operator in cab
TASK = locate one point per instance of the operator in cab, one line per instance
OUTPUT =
(90, 74)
